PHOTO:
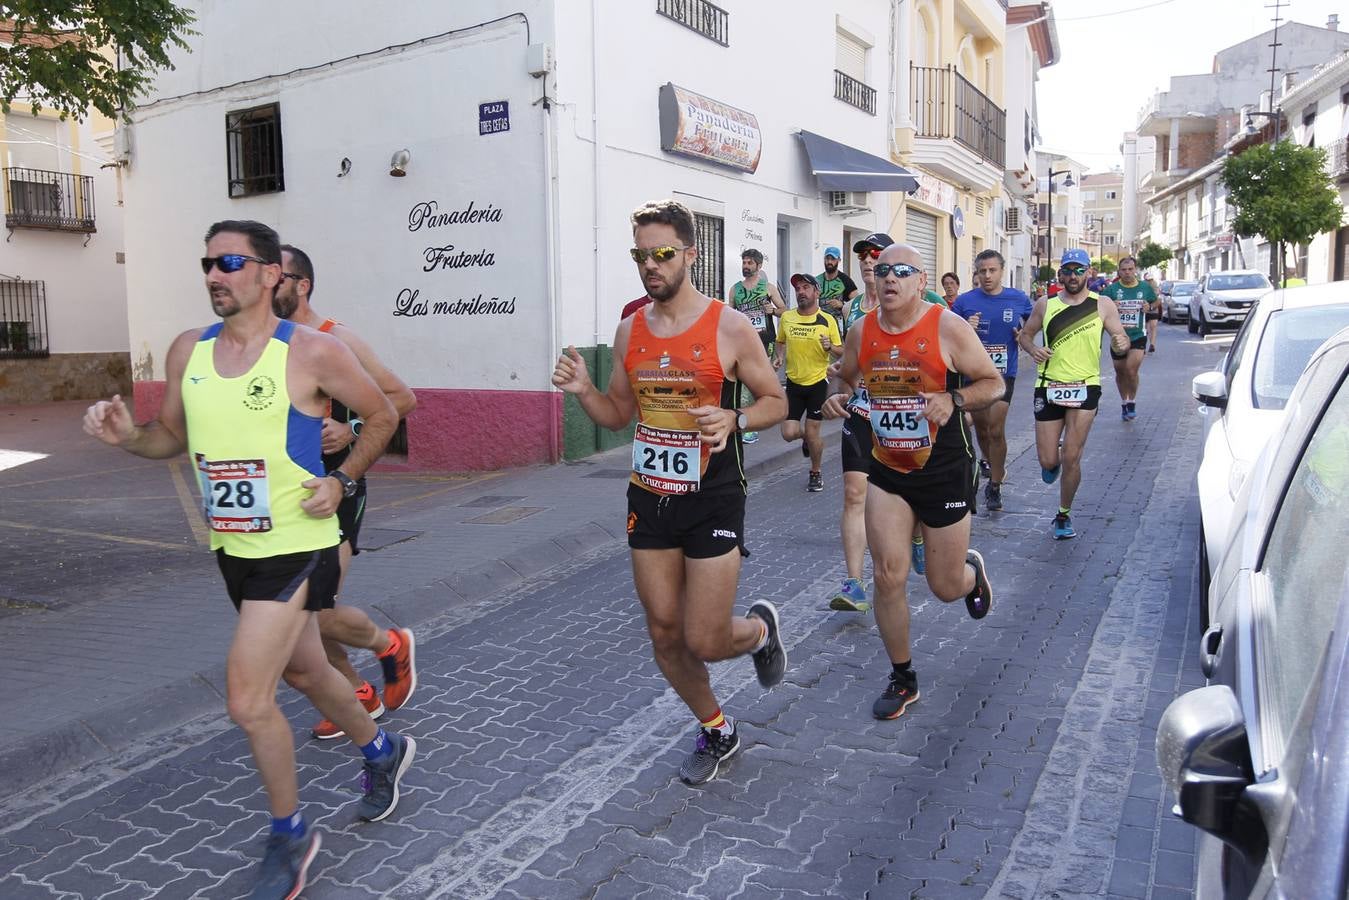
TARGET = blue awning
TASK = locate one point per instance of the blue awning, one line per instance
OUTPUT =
(841, 167)
(838, 167)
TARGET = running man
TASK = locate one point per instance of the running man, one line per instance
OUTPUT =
(910, 356)
(676, 364)
(807, 339)
(997, 314)
(246, 397)
(757, 298)
(852, 596)
(836, 288)
(349, 625)
(1068, 389)
(1133, 298)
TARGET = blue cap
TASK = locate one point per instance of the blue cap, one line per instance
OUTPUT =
(833, 251)
(1076, 256)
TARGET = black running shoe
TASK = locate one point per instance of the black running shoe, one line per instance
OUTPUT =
(980, 600)
(815, 483)
(711, 748)
(898, 694)
(770, 660)
(380, 780)
(993, 496)
(985, 470)
(285, 865)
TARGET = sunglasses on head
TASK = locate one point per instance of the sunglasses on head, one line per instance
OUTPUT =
(228, 262)
(872, 252)
(1072, 271)
(659, 254)
(900, 270)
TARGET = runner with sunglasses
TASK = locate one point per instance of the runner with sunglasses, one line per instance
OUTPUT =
(1068, 389)
(910, 356)
(345, 624)
(758, 299)
(676, 366)
(247, 396)
(808, 340)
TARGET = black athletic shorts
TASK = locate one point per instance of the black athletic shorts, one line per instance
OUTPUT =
(279, 577)
(1152, 317)
(856, 443)
(704, 526)
(1048, 412)
(1009, 382)
(939, 498)
(350, 512)
(1135, 344)
(806, 399)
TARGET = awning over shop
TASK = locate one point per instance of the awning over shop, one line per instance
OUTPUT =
(838, 167)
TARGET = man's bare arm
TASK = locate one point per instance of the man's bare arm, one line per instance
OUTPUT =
(166, 437)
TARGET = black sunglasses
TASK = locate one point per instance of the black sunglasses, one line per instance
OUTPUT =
(900, 270)
(228, 262)
(1072, 272)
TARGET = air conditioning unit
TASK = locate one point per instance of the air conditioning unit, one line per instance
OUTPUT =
(1012, 223)
(849, 201)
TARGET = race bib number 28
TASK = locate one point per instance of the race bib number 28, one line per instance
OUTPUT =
(668, 460)
(234, 495)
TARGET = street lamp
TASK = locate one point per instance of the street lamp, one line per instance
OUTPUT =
(1248, 126)
(1049, 236)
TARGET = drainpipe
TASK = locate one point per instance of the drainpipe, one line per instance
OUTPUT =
(551, 267)
(597, 135)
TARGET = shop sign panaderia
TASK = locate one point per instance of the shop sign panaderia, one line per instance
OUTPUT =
(703, 128)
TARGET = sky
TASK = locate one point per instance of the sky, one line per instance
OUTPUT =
(1115, 54)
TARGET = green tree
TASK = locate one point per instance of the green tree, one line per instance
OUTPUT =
(1153, 255)
(1105, 265)
(1281, 191)
(70, 55)
(1047, 273)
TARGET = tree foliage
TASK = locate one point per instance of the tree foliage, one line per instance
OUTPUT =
(1282, 192)
(1153, 254)
(72, 56)
(1047, 273)
(1105, 265)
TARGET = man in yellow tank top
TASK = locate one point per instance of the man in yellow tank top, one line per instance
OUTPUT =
(395, 648)
(676, 363)
(246, 396)
(1068, 386)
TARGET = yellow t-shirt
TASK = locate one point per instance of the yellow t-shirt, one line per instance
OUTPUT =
(807, 360)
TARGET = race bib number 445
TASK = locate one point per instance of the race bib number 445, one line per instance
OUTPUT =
(234, 495)
(896, 423)
(668, 460)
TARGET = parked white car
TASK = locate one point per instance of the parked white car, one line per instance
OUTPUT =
(1224, 299)
(1248, 392)
(1175, 296)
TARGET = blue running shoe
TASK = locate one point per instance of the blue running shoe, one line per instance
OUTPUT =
(920, 557)
(1063, 527)
(1049, 476)
(852, 597)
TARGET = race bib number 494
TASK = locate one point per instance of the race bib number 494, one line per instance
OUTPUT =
(1131, 313)
(234, 495)
(668, 460)
(897, 425)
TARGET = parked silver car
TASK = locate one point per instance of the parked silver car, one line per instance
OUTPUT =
(1223, 299)
(1175, 297)
(1257, 760)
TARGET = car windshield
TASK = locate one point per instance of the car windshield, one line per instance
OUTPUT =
(1237, 282)
(1182, 290)
(1290, 339)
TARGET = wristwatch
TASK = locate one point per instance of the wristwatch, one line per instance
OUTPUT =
(356, 425)
(741, 420)
(957, 400)
(349, 487)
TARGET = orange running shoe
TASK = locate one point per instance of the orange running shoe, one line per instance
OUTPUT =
(326, 731)
(400, 668)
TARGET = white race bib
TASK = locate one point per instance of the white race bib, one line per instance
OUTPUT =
(234, 495)
(668, 460)
(998, 353)
(1070, 395)
(1131, 313)
(896, 424)
(758, 320)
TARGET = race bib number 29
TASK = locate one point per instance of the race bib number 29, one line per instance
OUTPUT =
(668, 460)
(234, 495)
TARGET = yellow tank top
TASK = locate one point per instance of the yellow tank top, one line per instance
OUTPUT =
(1073, 333)
(252, 450)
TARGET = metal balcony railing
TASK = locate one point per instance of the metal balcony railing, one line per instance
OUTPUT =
(60, 201)
(23, 319)
(1337, 160)
(708, 19)
(946, 105)
(854, 93)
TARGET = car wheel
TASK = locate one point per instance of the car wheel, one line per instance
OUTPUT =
(1205, 579)
(1205, 329)
(1191, 326)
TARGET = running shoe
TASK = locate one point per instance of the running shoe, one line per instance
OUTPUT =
(852, 597)
(326, 730)
(919, 555)
(380, 780)
(805, 449)
(816, 483)
(400, 670)
(899, 692)
(980, 600)
(285, 864)
(1049, 476)
(1133, 411)
(711, 748)
(749, 437)
(1152, 348)
(770, 660)
(1063, 527)
(985, 470)
(993, 496)
(1124, 412)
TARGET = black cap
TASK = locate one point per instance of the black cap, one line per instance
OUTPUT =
(879, 240)
(801, 278)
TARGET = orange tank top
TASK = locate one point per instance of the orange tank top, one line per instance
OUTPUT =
(670, 376)
(896, 370)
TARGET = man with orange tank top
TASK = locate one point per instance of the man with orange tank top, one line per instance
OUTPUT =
(910, 356)
(677, 362)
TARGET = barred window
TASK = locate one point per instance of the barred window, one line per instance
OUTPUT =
(253, 148)
(709, 270)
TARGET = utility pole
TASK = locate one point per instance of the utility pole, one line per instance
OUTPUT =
(1276, 276)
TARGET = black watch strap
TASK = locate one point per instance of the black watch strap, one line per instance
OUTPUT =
(348, 485)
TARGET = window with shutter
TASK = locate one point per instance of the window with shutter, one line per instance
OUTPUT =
(851, 57)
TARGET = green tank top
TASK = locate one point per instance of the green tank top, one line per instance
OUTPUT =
(1073, 333)
(252, 450)
(1132, 303)
(751, 303)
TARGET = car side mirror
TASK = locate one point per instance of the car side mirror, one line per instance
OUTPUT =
(1210, 389)
(1205, 758)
